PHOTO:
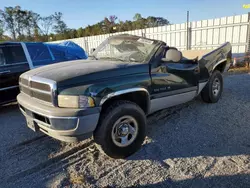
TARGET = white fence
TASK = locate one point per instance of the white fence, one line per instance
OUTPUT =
(204, 34)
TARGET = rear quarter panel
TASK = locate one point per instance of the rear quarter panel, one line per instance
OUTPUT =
(212, 59)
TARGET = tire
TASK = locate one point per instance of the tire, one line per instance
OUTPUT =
(108, 130)
(209, 94)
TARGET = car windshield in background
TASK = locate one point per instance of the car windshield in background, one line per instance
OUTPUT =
(127, 49)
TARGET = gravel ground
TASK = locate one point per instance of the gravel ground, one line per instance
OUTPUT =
(191, 145)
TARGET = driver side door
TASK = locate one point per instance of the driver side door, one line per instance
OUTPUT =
(173, 83)
(13, 63)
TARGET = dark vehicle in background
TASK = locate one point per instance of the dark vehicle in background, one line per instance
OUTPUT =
(19, 57)
(109, 95)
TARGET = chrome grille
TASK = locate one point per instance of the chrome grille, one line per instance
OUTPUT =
(39, 88)
(24, 81)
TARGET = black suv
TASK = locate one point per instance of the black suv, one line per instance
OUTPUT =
(18, 57)
(13, 63)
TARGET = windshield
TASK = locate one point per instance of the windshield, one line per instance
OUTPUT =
(129, 49)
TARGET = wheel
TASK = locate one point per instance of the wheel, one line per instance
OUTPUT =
(213, 90)
(121, 130)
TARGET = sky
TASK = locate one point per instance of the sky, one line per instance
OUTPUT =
(80, 13)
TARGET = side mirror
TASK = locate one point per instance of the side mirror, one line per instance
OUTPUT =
(92, 50)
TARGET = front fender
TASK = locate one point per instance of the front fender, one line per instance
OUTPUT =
(122, 92)
(105, 89)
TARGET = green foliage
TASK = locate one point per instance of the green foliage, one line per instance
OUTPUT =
(111, 25)
(60, 26)
(8, 16)
(46, 24)
(137, 17)
(1, 29)
(26, 25)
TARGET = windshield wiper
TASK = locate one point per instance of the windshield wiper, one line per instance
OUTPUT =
(93, 57)
(112, 58)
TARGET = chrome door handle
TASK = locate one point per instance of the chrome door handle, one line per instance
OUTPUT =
(4, 72)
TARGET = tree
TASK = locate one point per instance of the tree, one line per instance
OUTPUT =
(80, 32)
(1, 29)
(137, 17)
(112, 19)
(151, 21)
(37, 37)
(31, 24)
(45, 25)
(108, 24)
(20, 23)
(60, 26)
(162, 21)
(156, 21)
(71, 33)
(7, 16)
(26, 25)
(128, 25)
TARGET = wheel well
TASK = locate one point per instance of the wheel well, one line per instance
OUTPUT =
(141, 98)
(220, 67)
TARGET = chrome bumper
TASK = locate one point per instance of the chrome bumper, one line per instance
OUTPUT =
(71, 126)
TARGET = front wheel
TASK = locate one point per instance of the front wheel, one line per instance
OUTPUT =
(213, 90)
(121, 130)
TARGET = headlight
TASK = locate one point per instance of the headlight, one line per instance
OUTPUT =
(69, 101)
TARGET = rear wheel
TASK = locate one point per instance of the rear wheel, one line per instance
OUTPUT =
(121, 130)
(213, 90)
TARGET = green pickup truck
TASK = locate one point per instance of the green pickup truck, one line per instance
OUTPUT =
(109, 95)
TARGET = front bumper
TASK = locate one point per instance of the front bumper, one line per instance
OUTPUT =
(64, 124)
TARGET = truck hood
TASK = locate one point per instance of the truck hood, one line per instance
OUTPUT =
(79, 71)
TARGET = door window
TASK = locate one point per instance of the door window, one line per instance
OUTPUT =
(2, 59)
(12, 54)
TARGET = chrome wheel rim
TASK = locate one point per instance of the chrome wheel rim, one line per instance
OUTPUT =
(124, 131)
(216, 87)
